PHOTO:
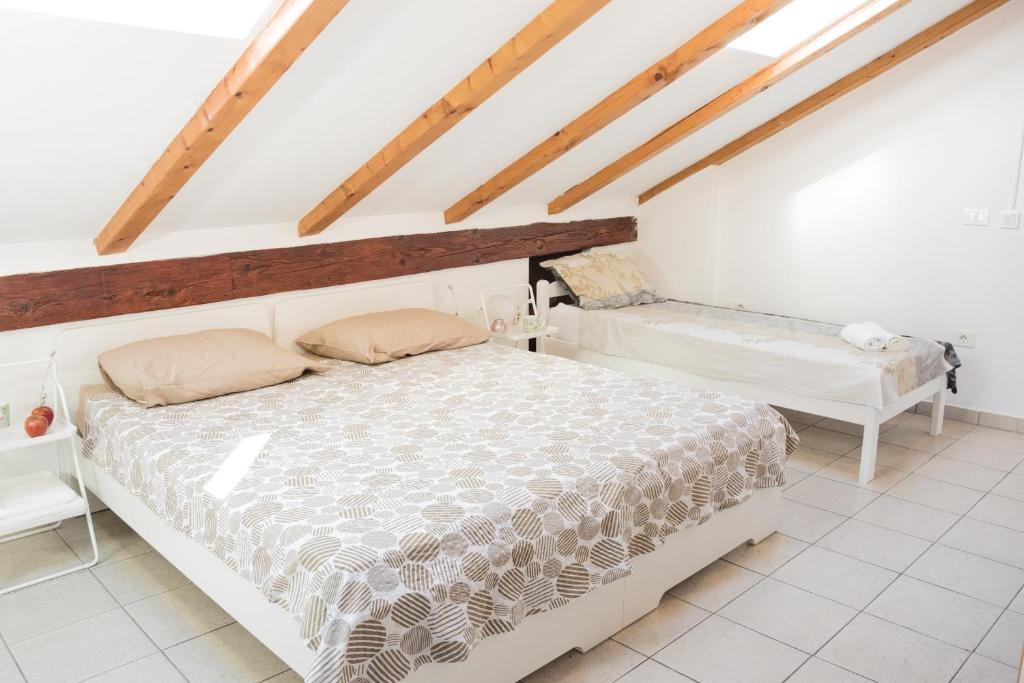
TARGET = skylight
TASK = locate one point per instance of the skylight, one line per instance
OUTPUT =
(792, 25)
(220, 18)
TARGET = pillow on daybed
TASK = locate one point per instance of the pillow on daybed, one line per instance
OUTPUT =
(389, 335)
(190, 367)
(603, 280)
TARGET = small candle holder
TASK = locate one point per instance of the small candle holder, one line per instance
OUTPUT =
(499, 326)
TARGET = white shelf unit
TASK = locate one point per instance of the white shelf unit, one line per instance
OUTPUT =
(524, 302)
(38, 502)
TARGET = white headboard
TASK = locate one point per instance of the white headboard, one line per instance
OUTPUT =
(78, 347)
(297, 315)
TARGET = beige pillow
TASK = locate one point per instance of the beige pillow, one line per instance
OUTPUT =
(389, 335)
(190, 367)
(603, 280)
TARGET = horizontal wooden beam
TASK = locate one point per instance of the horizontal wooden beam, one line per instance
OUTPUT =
(546, 30)
(38, 299)
(720, 33)
(288, 33)
(823, 42)
(826, 96)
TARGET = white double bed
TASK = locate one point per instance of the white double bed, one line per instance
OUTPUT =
(439, 518)
(791, 363)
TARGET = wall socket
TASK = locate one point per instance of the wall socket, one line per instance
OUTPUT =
(976, 217)
(964, 338)
(1010, 220)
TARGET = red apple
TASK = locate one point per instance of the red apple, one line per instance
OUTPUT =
(45, 411)
(36, 425)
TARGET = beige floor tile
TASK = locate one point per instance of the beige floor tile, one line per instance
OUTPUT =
(116, 542)
(888, 653)
(834, 576)
(912, 438)
(1000, 511)
(978, 669)
(809, 460)
(178, 615)
(139, 577)
(47, 540)
(830, 495)
(999, 438)
(798, 416)
(51, 605)
(768, 555)
(961, 473)
(794, 475)
(985, 456)
(794, 616)
(715, 585)
(805, 522)
(950, 428)
(83, 649)
(842, 426)
(76, 525)
(287, 677)
(672, 619)
(988, 540)
(828, 441)
(8, 669)
(950, 617)
(1018, 603)
(26, 565)
(874, 544)
(1012, 486)
(817, 670)
(152, 669)
(227, 654)
(653, 672)
(1006, 639)
(908, 518)
(896, 457)
(847, 471)
(603, 664)
(936, 494)
(719, 651)
(973, 575)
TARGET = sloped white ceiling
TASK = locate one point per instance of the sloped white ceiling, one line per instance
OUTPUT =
(89, 106)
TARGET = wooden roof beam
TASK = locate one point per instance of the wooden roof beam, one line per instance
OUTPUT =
(727, 28)
(288, 33)
(545, 31)
(838, 32)
(904, 51)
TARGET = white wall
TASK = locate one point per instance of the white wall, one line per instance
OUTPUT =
(857, 211)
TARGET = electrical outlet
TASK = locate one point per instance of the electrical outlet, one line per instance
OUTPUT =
(1009, 220)
(964, 338)
(976, 217)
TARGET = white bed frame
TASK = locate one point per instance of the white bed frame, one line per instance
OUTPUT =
(581, 624)
(869, 417)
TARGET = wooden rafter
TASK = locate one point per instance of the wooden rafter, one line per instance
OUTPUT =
(727, 28)
(844, 85)
(821, 43)
(288, 33)
(545, 31)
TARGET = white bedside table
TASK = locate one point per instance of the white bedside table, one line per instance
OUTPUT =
(20, 496)
(514, 338)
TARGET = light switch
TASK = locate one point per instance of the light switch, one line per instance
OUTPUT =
(976, 217)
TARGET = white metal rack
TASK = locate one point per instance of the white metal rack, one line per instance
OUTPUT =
(524, 302)
(65, 503)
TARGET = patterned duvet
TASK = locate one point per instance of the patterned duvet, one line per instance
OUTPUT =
(403, 512)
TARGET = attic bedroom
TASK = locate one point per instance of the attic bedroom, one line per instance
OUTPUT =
(582, 341)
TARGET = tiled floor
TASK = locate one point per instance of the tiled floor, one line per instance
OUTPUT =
(916, 577)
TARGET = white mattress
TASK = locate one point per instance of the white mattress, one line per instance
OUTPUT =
(799, 356)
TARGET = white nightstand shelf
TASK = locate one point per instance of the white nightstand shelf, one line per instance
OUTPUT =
(38, 502)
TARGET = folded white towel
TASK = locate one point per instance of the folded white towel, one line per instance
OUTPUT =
(893, 342)
(862, 337)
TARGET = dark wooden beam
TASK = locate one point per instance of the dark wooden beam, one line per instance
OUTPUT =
(38, 299)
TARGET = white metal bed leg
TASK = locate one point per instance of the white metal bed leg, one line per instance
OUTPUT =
(938, 409)
(869, 448)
